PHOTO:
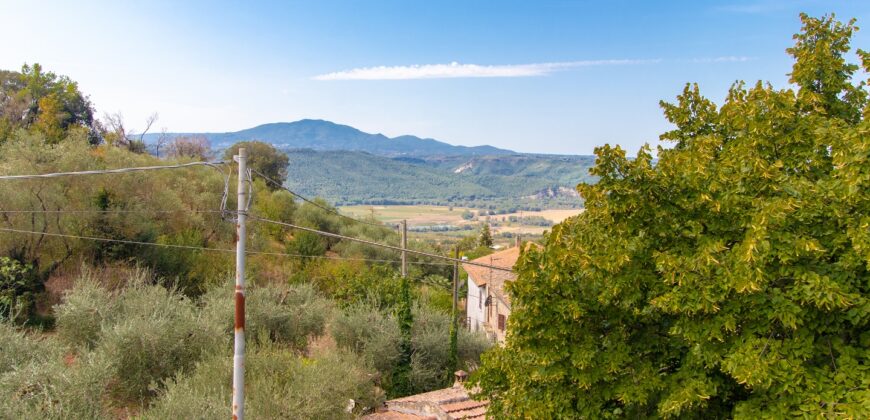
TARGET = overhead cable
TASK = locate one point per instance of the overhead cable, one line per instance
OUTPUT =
(365, 241)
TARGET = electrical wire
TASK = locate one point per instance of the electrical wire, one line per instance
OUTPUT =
(365, 241)
(214, 165)
(108, 211)
(315, 204)
(200, 248)
(110, 171)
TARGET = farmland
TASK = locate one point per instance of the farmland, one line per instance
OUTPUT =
(424, 217)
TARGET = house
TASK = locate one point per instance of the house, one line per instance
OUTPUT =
(487, 305)
(443, 404)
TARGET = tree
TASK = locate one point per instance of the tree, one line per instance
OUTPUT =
(485, 236)
(264, 158)
(195, 147)
(49, 103)
(728, 279)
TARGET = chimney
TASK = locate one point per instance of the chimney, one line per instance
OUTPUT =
(460, 376)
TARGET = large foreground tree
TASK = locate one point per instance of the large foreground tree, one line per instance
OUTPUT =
(729, 278)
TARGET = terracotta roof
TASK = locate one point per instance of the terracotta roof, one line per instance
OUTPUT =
(447, 403)
(482, 275)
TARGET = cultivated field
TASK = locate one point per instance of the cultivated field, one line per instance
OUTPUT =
(422, 216)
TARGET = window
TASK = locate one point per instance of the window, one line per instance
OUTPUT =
(501, 322)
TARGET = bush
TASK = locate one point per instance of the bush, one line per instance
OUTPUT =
(281, 314)
(81, 314)
(279, 385)
(155, 333)
(374, 335)
(371, 333)
(16, 349)
(57, 389)
(17, 285)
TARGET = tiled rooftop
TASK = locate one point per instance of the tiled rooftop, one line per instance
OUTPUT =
(443, 404)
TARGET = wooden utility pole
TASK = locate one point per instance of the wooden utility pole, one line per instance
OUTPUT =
(239, 337)
(404, 247)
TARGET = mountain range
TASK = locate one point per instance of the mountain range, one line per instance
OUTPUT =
(347, 166)
(326, 135)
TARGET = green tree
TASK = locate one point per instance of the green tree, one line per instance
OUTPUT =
(485, 239)
(263, 157)
(729, 279)
(50, 103)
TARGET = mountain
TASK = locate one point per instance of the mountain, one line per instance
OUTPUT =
(323, 135)
(348, 166)
(350, 177)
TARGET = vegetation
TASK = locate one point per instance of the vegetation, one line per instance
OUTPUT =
(114, 292)
(350, 178)
(729, 279)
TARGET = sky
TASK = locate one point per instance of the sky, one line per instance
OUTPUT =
(532, 76)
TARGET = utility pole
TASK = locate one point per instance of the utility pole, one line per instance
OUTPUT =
(404, 247)
(454, 333)
(239, 347)
(455, 283)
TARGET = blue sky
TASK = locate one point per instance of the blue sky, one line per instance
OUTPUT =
(572, 75)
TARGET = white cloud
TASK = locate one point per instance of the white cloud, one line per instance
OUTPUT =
(457, 70)
(723, 59)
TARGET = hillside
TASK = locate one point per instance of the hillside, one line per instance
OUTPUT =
(348, 177)
(325, 135)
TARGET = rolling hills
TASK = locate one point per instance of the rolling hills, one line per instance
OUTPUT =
(527, 181)
(347, 166)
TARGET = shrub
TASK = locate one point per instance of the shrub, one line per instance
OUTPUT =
(155, 333)
(17, 349)
(279, 385)
(281, 314)
(371, 333)
(374, 335)
(81, 314)
(56, 389)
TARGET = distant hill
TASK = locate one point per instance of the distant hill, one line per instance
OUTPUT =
(349, 177)
(323, 135)
(348, 166)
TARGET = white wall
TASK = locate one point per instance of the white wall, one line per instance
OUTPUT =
(474, 302)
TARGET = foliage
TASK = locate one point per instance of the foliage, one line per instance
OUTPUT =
(371, 333)
(17, 285)
(485, 237)
(520, 181)
(50, 104)
(154, 333)
(194, 147)
(287, 315)
(402, 381)
(84, 309)
(278, 385)
(264, 158)
(730, 279)
(374, 334)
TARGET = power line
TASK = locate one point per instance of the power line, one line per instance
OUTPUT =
(110, 211)
(314, 203)
(200, 248)
(213, 165)
(365, 241)
(110, 171)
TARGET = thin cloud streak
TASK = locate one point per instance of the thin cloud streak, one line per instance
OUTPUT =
(724, 59)
(457, 70)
